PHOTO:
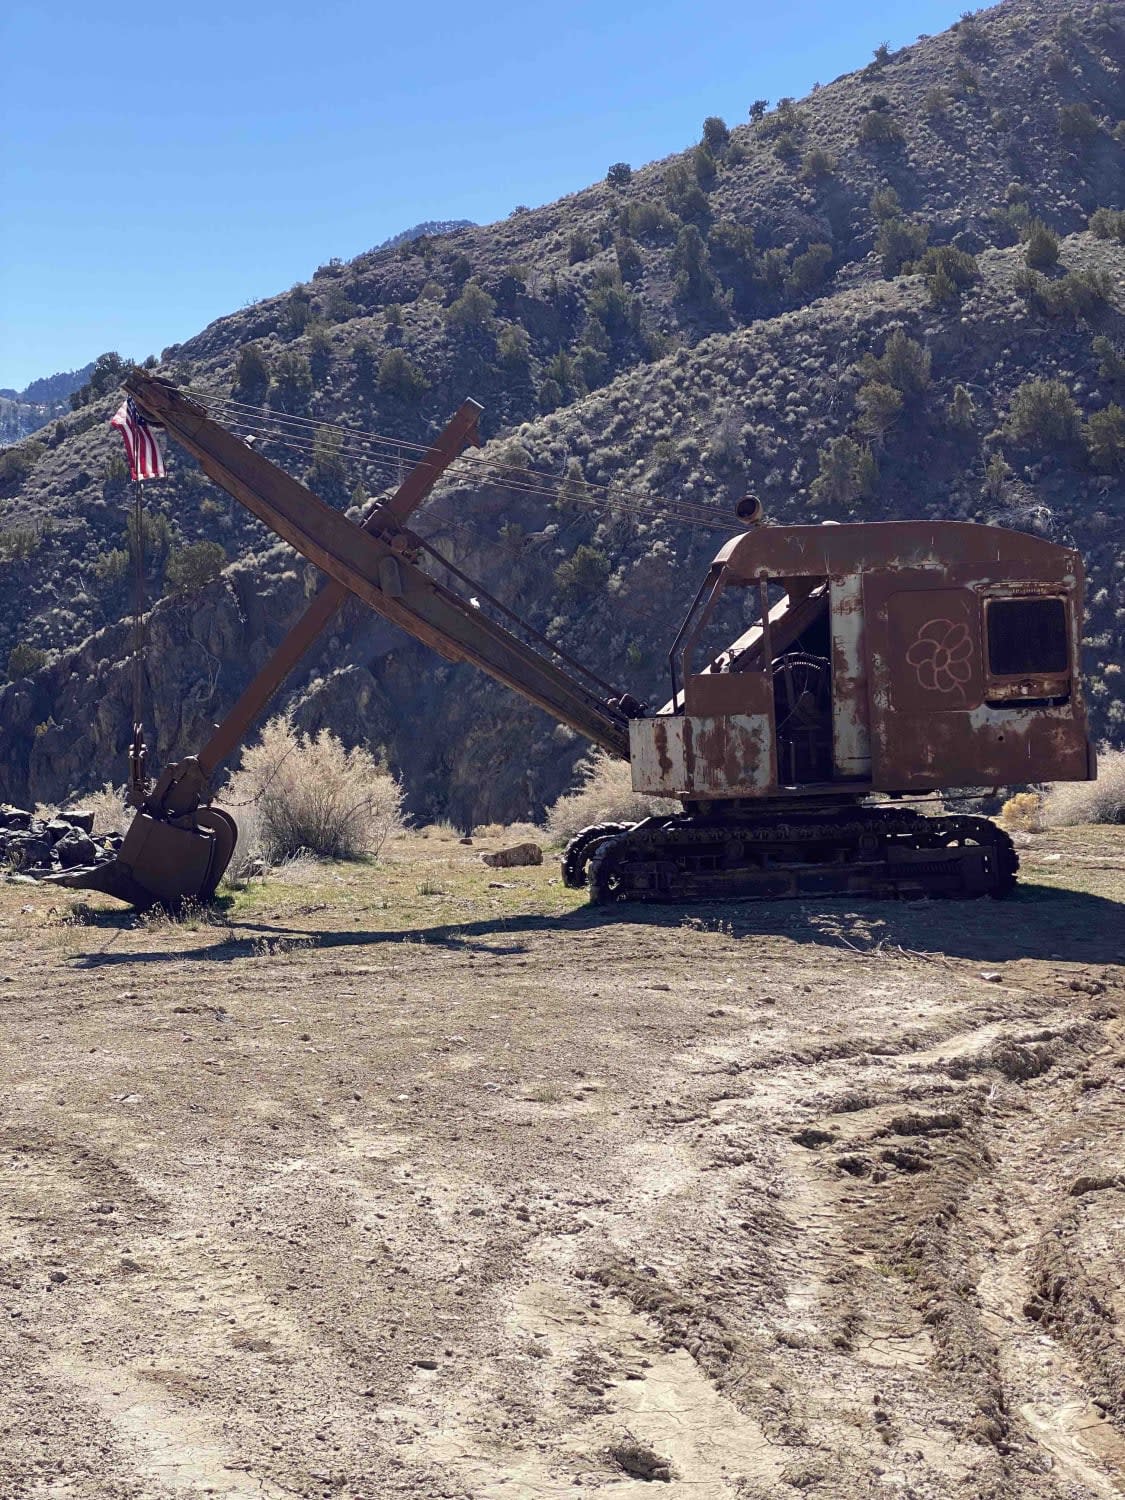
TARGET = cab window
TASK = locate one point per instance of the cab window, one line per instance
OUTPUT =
(1027, 637)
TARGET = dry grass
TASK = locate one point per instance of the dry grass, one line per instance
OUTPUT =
(313, 796)
(248, 859)
(605, 796)
(508, 833)
(111, 815)
(1067, 803)
(1022, 813)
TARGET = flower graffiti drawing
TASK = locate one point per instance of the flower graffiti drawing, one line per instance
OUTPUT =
(940, 655)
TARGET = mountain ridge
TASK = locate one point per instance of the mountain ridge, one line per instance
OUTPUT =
(679, 333)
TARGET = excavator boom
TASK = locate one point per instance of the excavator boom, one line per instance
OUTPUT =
(178, 846)
(377, 563)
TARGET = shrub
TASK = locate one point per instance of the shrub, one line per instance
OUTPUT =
(619, 175)
(1022, 813)
(1067, 803)
(400, 376)
(683, 194)
(17, 463)
(23, 660)
(115, 470)
(248, 858)
(716, 134)
(885, 204)
(629, 264)
(1082, 293)
(935, 101)
(473, 309)
(997, 472)
(338, 305)
(1112, 361)
(312, 795)
(109, 371)
(847, 472)
(879, 129)
(947, 271)
(879, 405)
(156, 533)
(808, 271)
(550, 395)
(194, 566)
(292, 379)
(251, 373)
(297, 312)
(971, 35)
(692, 263)
(1104, 434)
(786, 119)
(1077, 123)
(1042, 246)
(1042, 414)
(328, 457)
(582, 574)
(646, 219)
(1078, 294)
(18, 543)
(581, 247)
(514, 347)
(816, 164)
(899, 242)
(785, 147)
(704, 166)
(1108, 224)
(111, 566)
(758, 110)
(961, 409)
(111, 815)
(605, 795)
(903, 364)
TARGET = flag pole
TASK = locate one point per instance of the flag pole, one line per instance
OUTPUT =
(138, 602)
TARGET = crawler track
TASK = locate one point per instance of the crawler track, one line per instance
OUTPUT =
(869, 852)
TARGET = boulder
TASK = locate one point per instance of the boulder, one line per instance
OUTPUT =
(518, 854)
(79, 818)
(77, 849)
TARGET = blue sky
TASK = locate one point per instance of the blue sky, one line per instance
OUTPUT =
(163, 165)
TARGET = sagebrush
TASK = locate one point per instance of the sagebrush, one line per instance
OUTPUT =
(111, 812)
(1103, 801)
(606, 795)
(313, 795)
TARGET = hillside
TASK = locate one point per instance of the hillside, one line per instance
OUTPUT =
(24, 412)
(694, 328)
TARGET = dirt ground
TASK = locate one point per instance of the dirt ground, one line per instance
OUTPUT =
(426, 1180)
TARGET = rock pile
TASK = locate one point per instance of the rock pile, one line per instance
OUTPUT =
(42, 846)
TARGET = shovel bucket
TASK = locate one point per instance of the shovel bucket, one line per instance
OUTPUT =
(162, 863)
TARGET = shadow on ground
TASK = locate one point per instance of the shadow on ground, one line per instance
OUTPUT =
(1038, 921)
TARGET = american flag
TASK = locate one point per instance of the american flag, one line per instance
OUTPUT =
(141, 447)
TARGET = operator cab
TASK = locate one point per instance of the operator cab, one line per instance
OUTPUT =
(896, 656)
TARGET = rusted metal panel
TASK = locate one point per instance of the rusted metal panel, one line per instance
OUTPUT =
(863, 547)
(711, 693)
(851, 729)
(938, 716)
(695, 755)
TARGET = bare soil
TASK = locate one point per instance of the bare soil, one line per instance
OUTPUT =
(412, 1181)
